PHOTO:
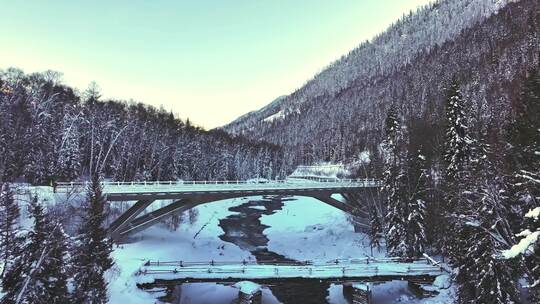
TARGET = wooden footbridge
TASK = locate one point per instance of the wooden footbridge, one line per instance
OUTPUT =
(188, 194)
(162, 273)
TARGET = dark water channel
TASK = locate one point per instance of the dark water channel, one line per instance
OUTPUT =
(245, 230)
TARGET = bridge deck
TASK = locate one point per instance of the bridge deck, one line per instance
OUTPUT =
(175, 189)
(369, 268)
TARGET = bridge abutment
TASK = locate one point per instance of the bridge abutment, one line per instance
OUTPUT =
(357, 292)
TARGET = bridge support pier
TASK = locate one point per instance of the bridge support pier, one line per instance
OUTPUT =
(420, 287)
(357, 292)
(249, 293)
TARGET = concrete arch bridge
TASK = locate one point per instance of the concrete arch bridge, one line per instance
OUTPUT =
(188, 194)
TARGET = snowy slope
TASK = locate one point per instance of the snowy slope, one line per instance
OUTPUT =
(307, 229)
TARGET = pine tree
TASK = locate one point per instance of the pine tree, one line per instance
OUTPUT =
(9, 216)
(528, 250)
(416, 230)
(69, 158)
(51, 281)
(417, 176)
(18, 277)
(92, 253)
(25, 280)
(376, 229)
(524, 156)
(524, 134)
(483, 276)
(457, 156)
(457, 138)
(46, 280)
(394, 177)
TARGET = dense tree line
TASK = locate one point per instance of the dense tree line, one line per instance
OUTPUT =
(472, 208)
(49, 131)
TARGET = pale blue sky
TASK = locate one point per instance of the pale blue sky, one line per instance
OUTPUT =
(211, 61)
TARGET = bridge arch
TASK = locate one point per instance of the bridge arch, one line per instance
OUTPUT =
(130, 223)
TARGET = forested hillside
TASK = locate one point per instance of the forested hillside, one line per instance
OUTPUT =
(444, 108)
(48, 131)
(487, 46)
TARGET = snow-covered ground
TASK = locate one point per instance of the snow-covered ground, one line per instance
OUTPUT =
(306, 229)
(328, 170)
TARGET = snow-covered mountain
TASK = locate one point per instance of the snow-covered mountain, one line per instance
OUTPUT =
(266, 113)
(488, 45)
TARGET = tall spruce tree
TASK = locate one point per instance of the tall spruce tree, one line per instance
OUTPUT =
(91, 256)
(416, 220)
(376, 229)
(9, 216)
(457, 156)
(47, 279)
(38, 273)
(457, 137)
(475, 212)
(51, 280)
(394, 179)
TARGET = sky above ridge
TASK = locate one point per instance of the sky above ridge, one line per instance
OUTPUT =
(209, 60)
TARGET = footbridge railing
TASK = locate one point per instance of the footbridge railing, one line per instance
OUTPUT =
(375, 268)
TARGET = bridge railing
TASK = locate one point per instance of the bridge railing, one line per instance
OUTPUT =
(343, 267)
(366, 260)
(180, 183)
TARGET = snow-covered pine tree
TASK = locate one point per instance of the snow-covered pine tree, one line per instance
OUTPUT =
(416, 191)
(69, 158)
(45, 280)
(416, 231)
(25, 278)
(9, 217)
(476, 218)
(457, 139)
(394, 179)
(91, 256)
(19, 275)
(487, 279)
(376, 229)
(457, 156)
(50, 282)
(524, 155)
(528, 249)
(483, 277)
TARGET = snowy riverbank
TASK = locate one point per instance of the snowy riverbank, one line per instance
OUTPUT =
(305, 229)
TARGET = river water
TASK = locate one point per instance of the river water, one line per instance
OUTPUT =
(244, 229)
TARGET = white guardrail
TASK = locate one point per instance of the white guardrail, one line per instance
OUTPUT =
(238, 184)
